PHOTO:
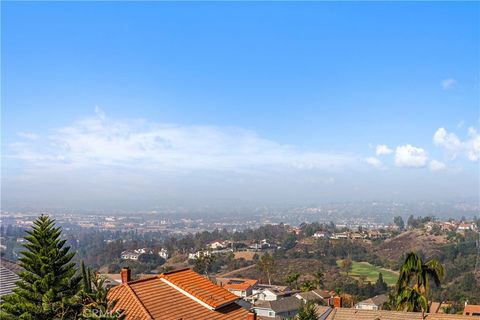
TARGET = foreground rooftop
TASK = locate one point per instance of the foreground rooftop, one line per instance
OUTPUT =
(180, 294)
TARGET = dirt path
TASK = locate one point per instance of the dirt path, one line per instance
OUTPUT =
(231, 273)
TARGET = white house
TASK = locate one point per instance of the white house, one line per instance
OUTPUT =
(337, 236)
(319, 234)
(163, 253)
(198, 254)
(285, 308)
(143, 250)
(130, 255)
(267, 292)
(374, 303)
(216, 245)
(467, 226)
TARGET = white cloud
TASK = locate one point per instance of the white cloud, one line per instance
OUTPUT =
(100, 141)
(437, 165)
(374, 162)
(28, 135)
(454, 146)
(382, 149)
(410, 157)
(473, 145)
(448, 83)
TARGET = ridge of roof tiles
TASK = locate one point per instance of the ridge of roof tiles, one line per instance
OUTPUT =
(145, 311)
(239, 284)
(199, 287)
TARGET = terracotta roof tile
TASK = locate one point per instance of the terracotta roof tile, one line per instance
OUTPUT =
(471, 309)
(239, 284)
(355, 314)
(200, 287)
(155, 298)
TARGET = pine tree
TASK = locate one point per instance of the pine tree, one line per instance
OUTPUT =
(380, 286)
(48, 287)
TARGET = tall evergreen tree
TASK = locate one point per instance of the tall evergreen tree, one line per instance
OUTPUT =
(48, 287)
(380, 286)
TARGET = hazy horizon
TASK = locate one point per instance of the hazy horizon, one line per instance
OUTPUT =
(121, 105)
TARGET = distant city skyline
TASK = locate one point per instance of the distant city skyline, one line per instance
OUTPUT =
(137, 105)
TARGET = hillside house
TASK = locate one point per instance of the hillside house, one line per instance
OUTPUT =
(265, 292)
(467, 226)
(338, 236)
(163, 253)
(198, 254)
(317, 296)
(374, 303)
(285, 308)
(216, 245)
(238, 286)
(320, 235)
(130, 255)
(471, 310)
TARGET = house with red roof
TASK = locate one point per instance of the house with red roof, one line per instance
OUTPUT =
(179, 294)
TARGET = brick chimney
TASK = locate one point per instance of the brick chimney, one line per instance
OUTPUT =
(337, 302)
(126, 274)
(251, 316)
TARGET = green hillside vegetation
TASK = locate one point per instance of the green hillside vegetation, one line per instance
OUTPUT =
(370, 272)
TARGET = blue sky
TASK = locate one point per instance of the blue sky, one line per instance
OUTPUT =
(204, 103)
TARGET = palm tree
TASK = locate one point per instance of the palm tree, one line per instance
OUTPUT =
(413, 283)
(96, 305)
(293, 279)
(307, 311)
(307, 286)
(318, 278)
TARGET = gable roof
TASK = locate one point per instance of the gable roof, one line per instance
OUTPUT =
(8, 277)
(471, 308)
(199, 287)
(237, 283)
(180, 294)
(322, 293)
(282, 305)
(308, 296)
(377, 300)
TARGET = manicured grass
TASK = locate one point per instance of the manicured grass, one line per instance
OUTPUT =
(370, 272)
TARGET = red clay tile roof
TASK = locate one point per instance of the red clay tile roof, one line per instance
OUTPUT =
(155, 298)
(471, 309)
(355, 314)
(200, 287)
(239, 284)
